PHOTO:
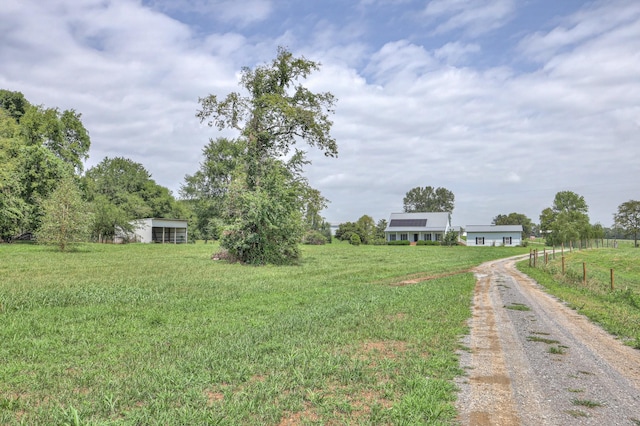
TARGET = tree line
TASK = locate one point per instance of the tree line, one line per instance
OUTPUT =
(250, 191)
(45, 191)
(566, 221)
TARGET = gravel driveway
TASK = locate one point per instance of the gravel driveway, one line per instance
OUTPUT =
(533, 361)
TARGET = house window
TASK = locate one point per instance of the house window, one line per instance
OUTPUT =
(392, 237)
(479, 241)
(404, 237)
(438, 237)
(506, 241)
(427, 237)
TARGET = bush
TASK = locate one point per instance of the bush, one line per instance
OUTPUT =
(379, 241)
(355, 240)
(399, 243)
(428, 243)
(315, 238)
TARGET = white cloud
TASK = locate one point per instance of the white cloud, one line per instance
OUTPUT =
(592, 21)
(456, 53)
(473, 17)
(242, 13)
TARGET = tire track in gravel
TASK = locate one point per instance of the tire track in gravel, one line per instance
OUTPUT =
(541, 363)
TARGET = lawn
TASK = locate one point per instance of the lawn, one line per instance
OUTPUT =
(617, 310)
(161, 334)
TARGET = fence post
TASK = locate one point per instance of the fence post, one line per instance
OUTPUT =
(584, 273)
(535, 258)
(612, 286)
(554, 252)
(530, 261)
(563, 265)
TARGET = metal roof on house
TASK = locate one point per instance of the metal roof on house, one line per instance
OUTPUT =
(493, 228)
(423, 221)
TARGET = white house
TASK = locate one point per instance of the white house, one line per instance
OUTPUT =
(426, 226)
(494, 235)
(156, 230)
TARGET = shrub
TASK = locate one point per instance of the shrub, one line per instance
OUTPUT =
(428, 243)
(379, 241)
(355, 240)
(399, 243)
(315, 238)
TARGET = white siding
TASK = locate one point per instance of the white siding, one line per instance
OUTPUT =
(494, 238)
(151, 230)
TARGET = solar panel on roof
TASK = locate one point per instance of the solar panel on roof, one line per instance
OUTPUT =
(407, 222)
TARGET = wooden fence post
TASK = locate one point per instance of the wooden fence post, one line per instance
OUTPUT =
(612, 286)
(530, 261)
(535, 258)
(584, 273)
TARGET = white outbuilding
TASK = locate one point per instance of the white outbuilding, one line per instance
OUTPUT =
(156, 230)
(494, 235)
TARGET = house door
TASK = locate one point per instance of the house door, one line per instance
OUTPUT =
(415, 238)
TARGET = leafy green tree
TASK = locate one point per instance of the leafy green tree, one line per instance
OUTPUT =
(38, 146)
(106, 218)
(61, 132)
(347, 229)
(628, 218)
(450, 238)
(325, 229)
(120, 190)
(566, 220)
(368, 227)
(598, 232)
(267, 221)
(428, 199)
(207, 189)
(276, 112)
(515, 219)
(39, 172)
(65, 219)
(380, 237)
(14, 103)
(129, 186)
(12, 205)
(314, 203)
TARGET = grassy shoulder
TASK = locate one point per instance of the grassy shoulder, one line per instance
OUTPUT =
(161, 334)
(617, 310)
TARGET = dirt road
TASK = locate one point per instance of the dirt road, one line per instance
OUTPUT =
(533, 361)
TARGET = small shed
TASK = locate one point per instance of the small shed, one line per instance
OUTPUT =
(156, 230)
(494, 235)
(414, 227)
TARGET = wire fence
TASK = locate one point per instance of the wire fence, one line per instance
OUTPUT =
(597, 277)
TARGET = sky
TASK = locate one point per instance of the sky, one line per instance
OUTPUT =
(503, 102)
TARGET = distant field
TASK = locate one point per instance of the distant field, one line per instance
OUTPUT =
(160, 334)
(618, 311)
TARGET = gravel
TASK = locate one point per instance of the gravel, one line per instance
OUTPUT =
(533, 361)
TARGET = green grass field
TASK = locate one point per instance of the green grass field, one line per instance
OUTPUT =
(161, 334)
(617, 311)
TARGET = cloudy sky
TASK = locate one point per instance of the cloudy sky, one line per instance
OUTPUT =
(503, 102)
